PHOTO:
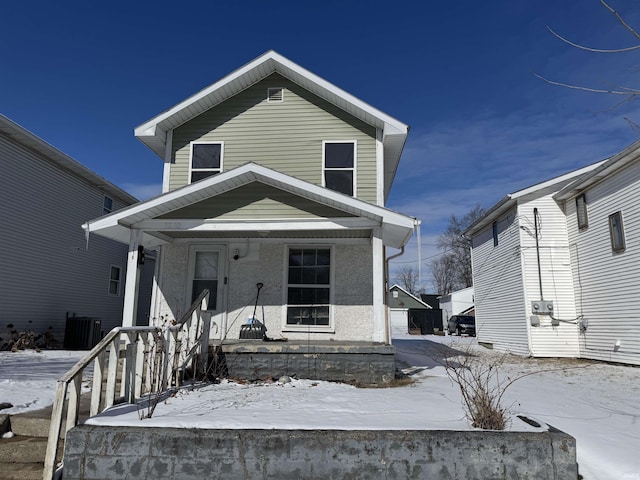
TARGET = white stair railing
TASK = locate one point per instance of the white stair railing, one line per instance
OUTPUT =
(154, 359)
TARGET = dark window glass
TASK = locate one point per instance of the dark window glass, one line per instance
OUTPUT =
(338, 155)
(206, 155)
(309, 291)
(616, 231)
(339, 181)
(494, 229)
(581, 211)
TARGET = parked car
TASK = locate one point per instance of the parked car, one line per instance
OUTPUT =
(460, 324)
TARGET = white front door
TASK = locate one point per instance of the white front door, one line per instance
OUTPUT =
(207, 269)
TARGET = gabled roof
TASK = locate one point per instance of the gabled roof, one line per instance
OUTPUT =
(396, 228)
(395, 286)
(613, 164)
(510, 200)
(21, 135)
(153, 133)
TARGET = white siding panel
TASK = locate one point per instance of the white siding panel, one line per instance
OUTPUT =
(555, 272)
(607, 284)
(46, 270)
(498, 283)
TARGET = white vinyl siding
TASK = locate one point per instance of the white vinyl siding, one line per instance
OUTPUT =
(498, 284)
(557, 282)
(47, 269)
(607, 283)
(285, 136)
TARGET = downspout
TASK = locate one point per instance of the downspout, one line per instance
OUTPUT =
(387, 326)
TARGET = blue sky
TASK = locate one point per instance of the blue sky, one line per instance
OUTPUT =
(82, 75)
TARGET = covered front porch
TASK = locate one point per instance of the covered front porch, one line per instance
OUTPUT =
(318, 254)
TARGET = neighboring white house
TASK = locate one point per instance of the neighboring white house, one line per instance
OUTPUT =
(272, 175)
(456, 303)
(401, 303)
(603, 221)
(545, 286)
(46, 270)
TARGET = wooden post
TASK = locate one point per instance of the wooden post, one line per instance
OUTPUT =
(132, 282)
(96, 390)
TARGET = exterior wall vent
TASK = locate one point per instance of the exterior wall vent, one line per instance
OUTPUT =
(275, 95)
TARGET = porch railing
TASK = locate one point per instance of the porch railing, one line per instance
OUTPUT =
(154, 359)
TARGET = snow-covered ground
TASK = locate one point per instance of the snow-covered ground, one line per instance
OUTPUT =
(599, 404)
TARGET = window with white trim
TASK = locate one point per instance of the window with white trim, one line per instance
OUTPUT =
(309, 286)
(114, 280)
(616, 231)
(581, 211)
(107, 205)
(206, 160)
(339, 166)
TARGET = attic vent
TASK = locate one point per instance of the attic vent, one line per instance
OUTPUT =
(275, 94)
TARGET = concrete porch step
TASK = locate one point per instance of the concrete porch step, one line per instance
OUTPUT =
(22, 458)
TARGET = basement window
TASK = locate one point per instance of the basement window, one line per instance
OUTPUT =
(275, 95)
(206, 160)
(616, 232)
(581, 212)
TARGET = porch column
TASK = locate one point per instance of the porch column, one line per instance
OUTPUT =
(132, 281)
(379, 330)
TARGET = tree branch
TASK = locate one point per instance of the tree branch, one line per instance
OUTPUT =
(620, 19)
(590, 49)
(630, 92)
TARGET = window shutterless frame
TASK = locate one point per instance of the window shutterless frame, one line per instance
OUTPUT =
(107, 205)
(581, 212)
(339, 166)
(309, 280)
(205, 159)
(114, 280)
(616, 232)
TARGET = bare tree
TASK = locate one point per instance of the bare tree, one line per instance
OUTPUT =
(626, 92)
(456, 256)
(407, 277)
(442, 274)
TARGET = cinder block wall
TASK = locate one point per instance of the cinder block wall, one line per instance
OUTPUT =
(135, 453)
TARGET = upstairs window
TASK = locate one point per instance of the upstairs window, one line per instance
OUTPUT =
(107, 205)
(206, 160)
(616, 231)
(339, 165)
(581, 211)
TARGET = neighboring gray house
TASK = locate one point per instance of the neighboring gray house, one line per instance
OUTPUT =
(46, 270)
(272, 175)
(555, 266)
(401, 304)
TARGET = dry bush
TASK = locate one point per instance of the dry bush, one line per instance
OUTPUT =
(482, 388)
